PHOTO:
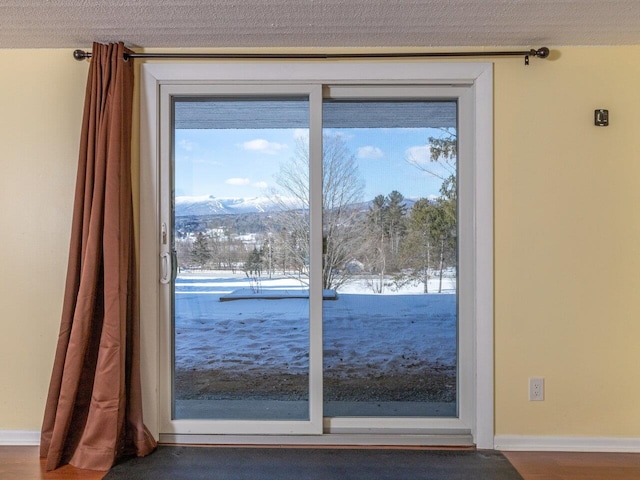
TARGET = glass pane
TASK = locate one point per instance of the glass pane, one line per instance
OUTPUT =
(241, 306)
(390, 228)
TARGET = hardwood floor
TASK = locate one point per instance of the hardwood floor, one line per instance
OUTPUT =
(23, 463)
(576, 466)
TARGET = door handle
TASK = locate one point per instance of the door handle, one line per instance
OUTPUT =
(168, 266)
(166, 270)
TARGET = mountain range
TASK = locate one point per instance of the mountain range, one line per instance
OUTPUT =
(210, 205)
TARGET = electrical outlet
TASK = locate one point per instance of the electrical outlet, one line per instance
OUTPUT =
(536, 389)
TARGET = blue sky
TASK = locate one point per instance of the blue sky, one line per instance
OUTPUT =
(245, 162)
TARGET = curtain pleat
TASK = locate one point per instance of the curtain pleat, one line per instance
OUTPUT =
(93, 413)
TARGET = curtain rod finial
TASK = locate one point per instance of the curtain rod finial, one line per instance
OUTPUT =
(81, 55)
(542, 52)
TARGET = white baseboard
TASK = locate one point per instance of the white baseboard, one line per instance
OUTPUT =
(532, 443)
(566, 444)
(19, 437)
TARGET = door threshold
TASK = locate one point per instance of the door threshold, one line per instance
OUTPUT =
(462, 439)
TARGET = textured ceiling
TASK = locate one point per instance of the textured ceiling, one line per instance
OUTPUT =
(318, 23)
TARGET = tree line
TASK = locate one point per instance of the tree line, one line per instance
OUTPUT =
(386, 242)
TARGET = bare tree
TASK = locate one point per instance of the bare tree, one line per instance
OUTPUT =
(342, 189)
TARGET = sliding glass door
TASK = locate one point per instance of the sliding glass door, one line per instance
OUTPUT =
(240, 295)
(390, 220)
(310, 260)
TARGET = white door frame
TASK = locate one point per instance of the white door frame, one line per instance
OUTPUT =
(477, 77)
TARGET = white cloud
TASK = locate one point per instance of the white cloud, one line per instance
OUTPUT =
(186, 145)
(237, 181)
(419, 155)
(264, 146)
(370, 152)
(261, 184)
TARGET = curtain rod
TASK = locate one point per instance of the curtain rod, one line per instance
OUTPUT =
(542, 52)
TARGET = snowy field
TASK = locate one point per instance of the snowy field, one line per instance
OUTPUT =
(366, 335)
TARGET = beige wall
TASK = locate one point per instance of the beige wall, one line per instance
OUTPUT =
(567, 236)
(41, 96)
(567, 244)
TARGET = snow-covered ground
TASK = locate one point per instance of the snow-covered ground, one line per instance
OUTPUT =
(363, 332)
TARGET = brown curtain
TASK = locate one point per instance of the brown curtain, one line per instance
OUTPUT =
(93, 413)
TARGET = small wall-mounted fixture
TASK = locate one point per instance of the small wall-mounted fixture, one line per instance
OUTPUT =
(601, 118)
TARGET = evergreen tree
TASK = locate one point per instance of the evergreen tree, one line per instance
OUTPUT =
(417, 250)
(395, 224)
(385, 229)
(376, 244)
(201, 250)
(253, 264)
(441, 221)
(443, 234)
